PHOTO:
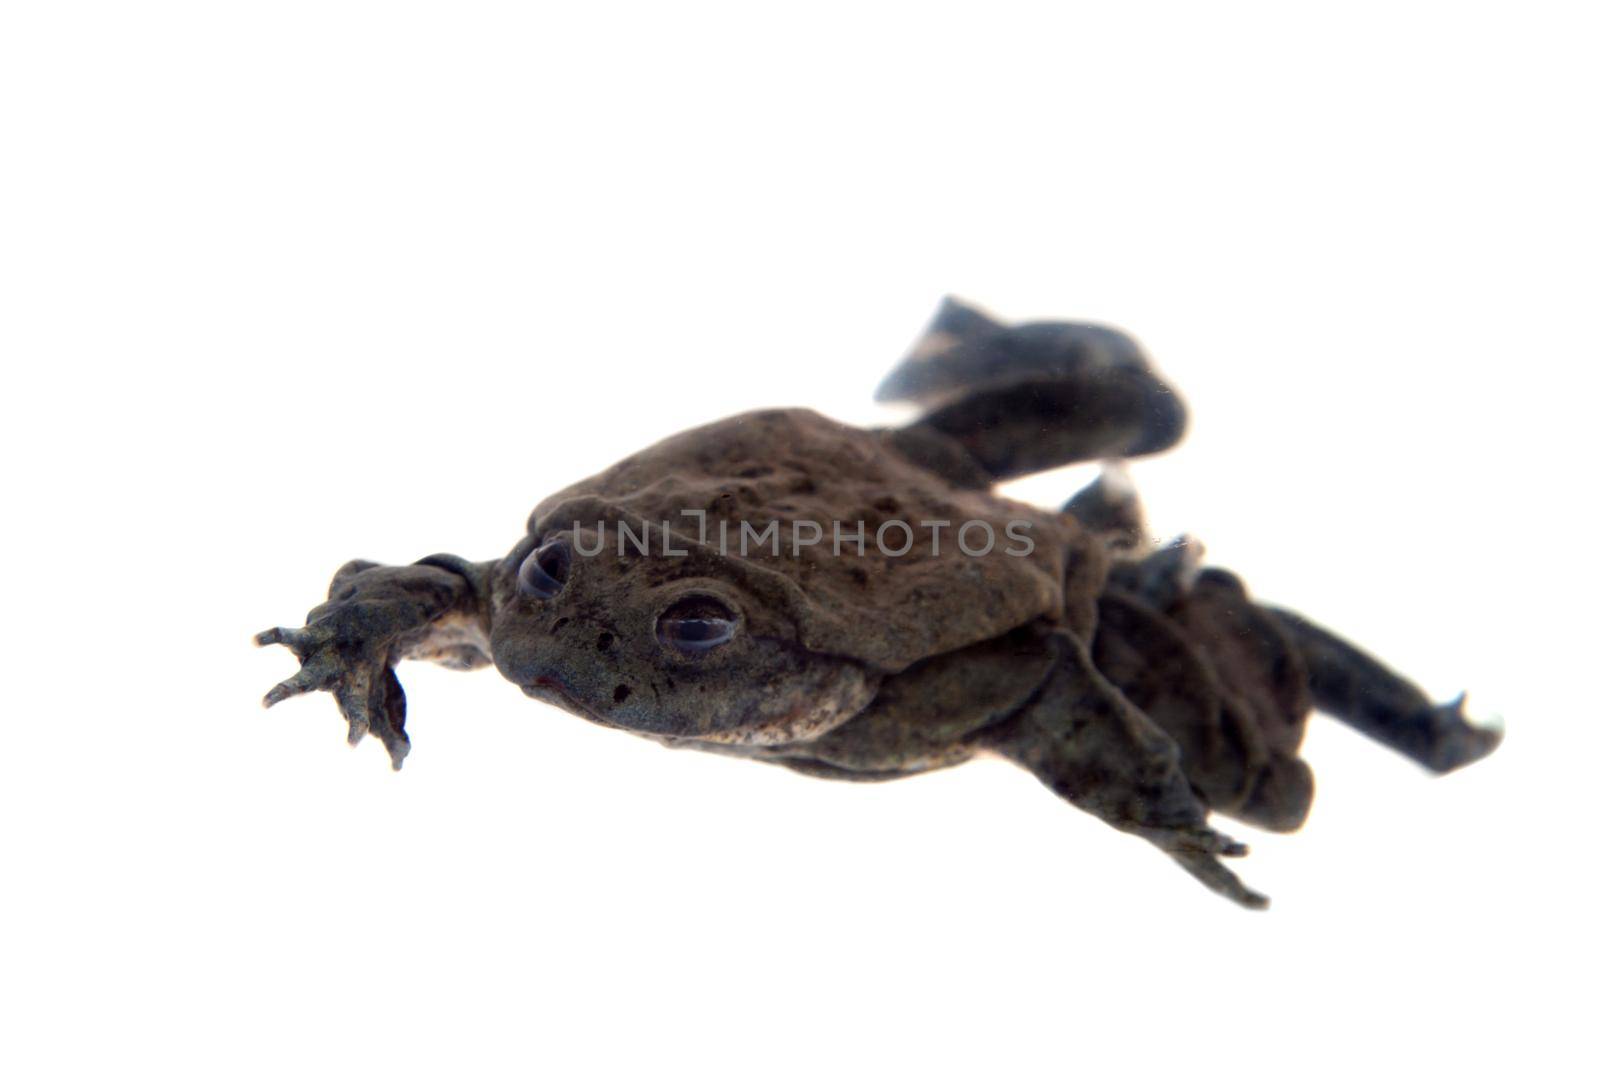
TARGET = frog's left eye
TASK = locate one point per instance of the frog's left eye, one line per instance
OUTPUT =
(696, 624)
(544, 572)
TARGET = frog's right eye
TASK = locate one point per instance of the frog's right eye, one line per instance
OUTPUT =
(697, 624)
(544, 572)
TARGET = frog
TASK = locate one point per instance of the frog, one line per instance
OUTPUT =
(863, 604)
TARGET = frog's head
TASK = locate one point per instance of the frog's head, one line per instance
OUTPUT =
(686, 643)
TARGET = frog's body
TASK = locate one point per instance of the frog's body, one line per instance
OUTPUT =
(859, 604)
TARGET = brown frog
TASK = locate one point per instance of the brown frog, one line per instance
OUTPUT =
(859, 604)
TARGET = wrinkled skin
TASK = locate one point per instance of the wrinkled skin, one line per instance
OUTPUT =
(1134, 683)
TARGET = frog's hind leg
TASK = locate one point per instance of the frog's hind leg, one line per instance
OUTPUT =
(1085, 740)
(1355, 688)
(1237, 750)
(1034, 396)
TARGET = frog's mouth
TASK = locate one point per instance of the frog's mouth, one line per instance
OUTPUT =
(551, 690)
(545, 686)
(626, 711)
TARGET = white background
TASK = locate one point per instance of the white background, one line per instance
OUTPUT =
(286, 284)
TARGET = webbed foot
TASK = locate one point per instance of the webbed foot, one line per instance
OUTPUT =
(1036, 395)
(1353, 686)
(359, 675)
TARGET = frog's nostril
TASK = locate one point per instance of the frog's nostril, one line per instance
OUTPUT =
(620, 694)
(605, 642)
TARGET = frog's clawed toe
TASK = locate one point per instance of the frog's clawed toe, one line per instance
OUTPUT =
(1217, 878)
(309, 678)
(1196, 841)
(1457, 740)
(1211, 843)
(1197, 850)
(280, 635)
(387, 716)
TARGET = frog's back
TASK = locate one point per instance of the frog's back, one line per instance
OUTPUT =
(939, 565)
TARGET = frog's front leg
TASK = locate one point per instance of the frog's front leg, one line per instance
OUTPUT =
(375, 616)
(1093, 747)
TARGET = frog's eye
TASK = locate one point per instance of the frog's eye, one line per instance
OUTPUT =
(545, 571)
(696, 624)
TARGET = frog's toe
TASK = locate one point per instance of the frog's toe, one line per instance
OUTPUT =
(1198, 850)
(387, 718)
(280, 635)
(1197, 841)
(353, 693)
(312, 676)
(1458, 740)
(1110, 507)
(1209, 872)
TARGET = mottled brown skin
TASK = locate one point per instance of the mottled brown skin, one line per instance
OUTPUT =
(1135, 684)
